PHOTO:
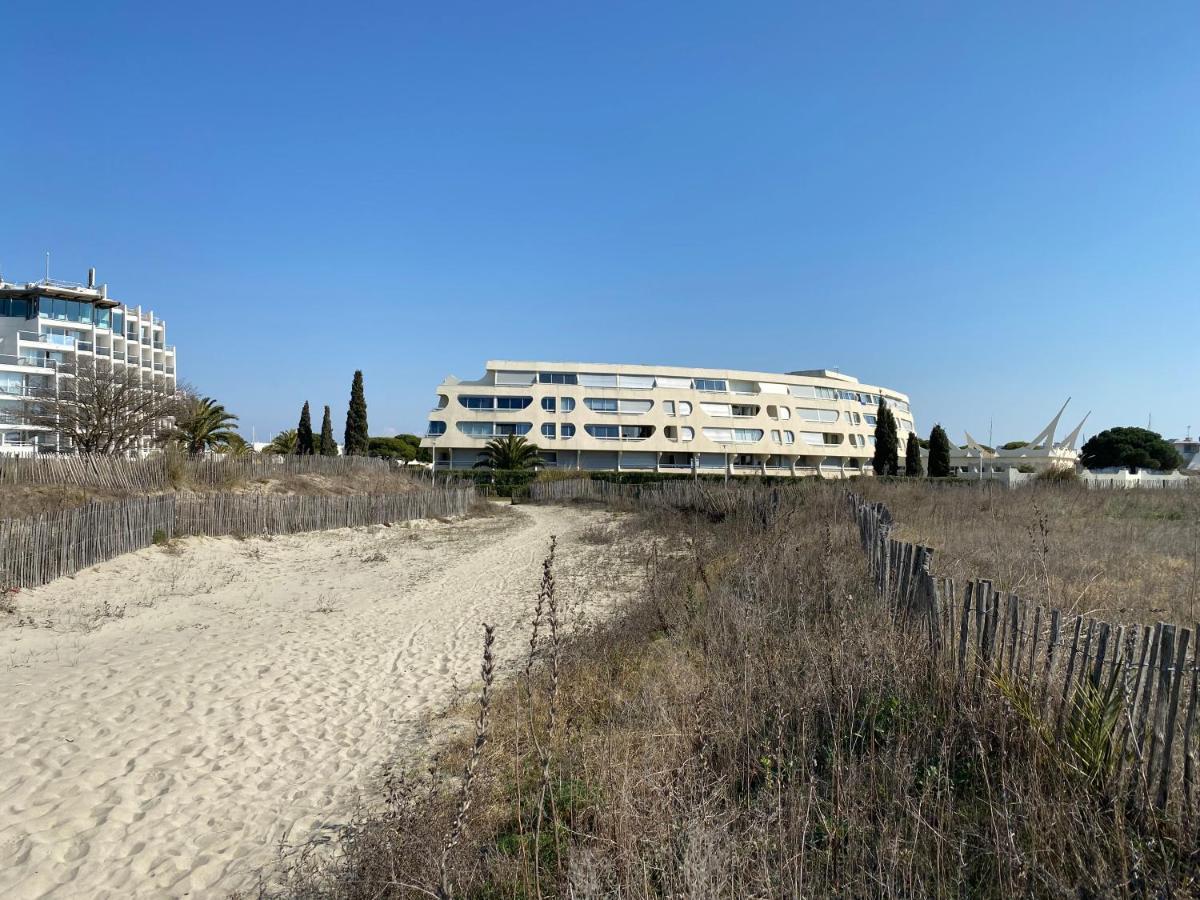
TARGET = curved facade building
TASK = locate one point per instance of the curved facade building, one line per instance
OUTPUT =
(601, 417)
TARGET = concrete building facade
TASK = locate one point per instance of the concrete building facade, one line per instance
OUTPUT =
(50, 328)
(606, 417)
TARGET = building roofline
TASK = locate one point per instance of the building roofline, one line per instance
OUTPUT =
(834, 379)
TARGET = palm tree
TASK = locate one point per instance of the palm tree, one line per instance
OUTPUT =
(283, 443)
(509, 453)
(204, 424)
(236, 446)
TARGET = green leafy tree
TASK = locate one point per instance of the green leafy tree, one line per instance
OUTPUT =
(283, 443)
(357, 442)
(405, 447)
(305, 444)
(939, 453)
(1132, 448)
(1014, 445)
(202, 423)
(328, 446)
(887, 441)
(510, 453)
(912, 456)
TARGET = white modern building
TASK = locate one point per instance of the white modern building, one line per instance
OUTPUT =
(976, 460)
(604, 417)
(48, 329)
(1189, 449)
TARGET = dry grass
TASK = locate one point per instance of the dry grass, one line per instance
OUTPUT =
(752, 726)
(23, 500)
(1123, 556)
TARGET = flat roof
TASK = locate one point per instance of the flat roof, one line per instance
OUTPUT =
(835, 379)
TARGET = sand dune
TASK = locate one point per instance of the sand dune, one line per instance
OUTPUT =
(235, 694)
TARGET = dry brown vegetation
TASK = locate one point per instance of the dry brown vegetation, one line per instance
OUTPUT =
(22, 500)
(752, 725)
(1124, 556)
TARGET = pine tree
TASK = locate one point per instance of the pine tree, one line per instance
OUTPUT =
(304, 434)
(939, 453)
(887, 442)
(328, 446)
(356, 420)
(912, 456)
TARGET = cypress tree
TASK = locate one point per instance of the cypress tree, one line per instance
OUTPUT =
(887, 442)
(939, 453)
(304, 434)
(328, 446)
(356, 420)
(912, 456)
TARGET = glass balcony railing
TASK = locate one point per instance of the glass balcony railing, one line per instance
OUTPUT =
(158, 345)
(159, 367)
(84, 346)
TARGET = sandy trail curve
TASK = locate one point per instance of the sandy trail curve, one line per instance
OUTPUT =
(234, 694)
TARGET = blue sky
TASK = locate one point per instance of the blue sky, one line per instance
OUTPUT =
(990, 208)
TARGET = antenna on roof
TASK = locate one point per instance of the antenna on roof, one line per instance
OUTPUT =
(47, 266)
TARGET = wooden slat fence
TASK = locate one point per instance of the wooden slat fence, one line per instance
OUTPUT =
(39, 549)
(1118, 700)
(158, 472)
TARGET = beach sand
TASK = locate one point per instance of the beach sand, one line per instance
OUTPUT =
(171, 716)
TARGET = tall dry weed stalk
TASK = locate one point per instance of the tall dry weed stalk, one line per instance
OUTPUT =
(487, 673)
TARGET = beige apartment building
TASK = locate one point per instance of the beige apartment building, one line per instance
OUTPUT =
(603, 417)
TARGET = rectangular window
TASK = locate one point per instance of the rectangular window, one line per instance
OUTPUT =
(592, 379)
(521, 378)
(513, 402)
(720, 410)
(667, 381)
(710, 384)
(506, 428)
(816, 415)
(476, 429)
(637, 382)
(604, 432)
(669, 407)
(478, 402)
(548, 430)
(558, 378)
(548, 404)
(601, 404)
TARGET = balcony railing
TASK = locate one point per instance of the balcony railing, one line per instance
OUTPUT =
(158, 367)
(85, 346)
(158, 345)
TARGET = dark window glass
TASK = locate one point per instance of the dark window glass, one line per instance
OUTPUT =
(118, 320)
(548, 404)
(436, 427)
(513, 402)
(568, 430)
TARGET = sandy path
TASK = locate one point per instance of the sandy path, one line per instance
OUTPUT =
(245, 693)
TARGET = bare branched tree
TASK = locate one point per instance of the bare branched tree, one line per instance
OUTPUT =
(99, 407)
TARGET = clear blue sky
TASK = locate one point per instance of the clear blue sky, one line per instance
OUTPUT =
(990, 209)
